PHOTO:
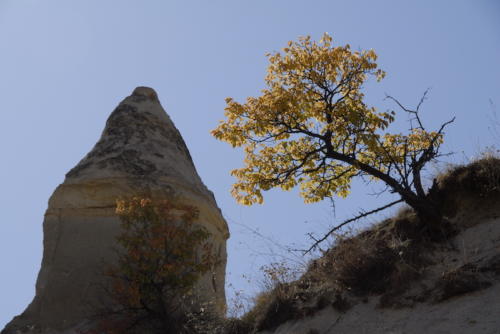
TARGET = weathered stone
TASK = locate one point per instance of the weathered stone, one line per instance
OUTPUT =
(140, 151)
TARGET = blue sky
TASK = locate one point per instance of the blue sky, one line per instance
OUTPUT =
(65, 65)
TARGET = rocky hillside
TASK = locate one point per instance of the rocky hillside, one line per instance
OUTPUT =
(459, 293)
(394, 279)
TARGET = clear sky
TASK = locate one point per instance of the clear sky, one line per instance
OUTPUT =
(65, 65)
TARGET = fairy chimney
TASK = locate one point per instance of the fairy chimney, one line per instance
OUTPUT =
(140, 150)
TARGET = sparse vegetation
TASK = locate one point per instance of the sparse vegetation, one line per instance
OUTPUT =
(275, 303)
(480, 177)
(383, 260)
(360, 265)
(162, 255)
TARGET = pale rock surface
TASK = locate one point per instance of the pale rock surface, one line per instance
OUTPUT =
(476, 312)
(140, 151)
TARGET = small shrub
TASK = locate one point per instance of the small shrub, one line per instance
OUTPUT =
(381, 260)
(272, 308)
(360, 265)
(481, 177)
(277, 303)
(277, 275)
(162, 254)
(238, 304)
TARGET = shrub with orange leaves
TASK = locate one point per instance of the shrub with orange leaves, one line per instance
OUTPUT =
(162, 255)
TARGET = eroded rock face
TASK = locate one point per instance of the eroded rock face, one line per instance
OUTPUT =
(140, 151)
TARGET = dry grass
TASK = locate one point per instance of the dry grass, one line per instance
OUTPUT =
(383, 260)
(277, 303)
(360, 265)
(237, 326)
(377, 261)
(213, 324)
(273, 308)
(481, 178)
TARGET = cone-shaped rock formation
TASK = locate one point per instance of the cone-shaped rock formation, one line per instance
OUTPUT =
(140, 151)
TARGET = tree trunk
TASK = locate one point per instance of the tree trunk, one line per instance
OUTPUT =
(434, 226)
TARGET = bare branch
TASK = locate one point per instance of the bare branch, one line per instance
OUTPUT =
(336, 228)
(414, 112)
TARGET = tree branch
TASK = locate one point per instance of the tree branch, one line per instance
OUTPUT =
(361, 215)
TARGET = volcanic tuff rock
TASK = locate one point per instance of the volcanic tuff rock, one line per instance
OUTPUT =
(140, 151)
(458, 292)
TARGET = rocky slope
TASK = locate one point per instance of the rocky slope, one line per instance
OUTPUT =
(460, 294)
(140, 152)
(452, 286)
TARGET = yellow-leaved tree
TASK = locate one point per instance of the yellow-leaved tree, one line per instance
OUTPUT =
(311, 127)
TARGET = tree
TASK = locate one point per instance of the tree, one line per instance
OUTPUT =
(161, 257)
(311, 127)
